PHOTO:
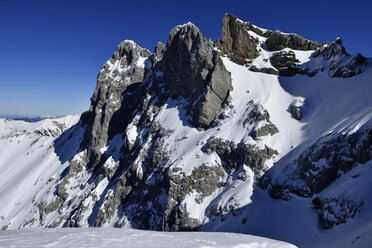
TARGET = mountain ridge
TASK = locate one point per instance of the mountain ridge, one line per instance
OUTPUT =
(201, 135)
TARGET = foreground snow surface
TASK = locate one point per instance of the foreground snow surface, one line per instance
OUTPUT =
(113, 237)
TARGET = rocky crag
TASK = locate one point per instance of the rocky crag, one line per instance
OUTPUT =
(190, 136)
(131, 89)
(243, 42)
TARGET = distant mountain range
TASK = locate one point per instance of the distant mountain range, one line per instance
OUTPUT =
(28, 118)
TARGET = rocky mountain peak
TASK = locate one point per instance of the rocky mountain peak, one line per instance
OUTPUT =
(236, 38)
(187, 54)
(240, 38)
(338, 41)
(246, 44)
(127, 66)
(158, 53)
(186, 34)
(169, 144)
(341, 63)
(130, 50)
(193, 69)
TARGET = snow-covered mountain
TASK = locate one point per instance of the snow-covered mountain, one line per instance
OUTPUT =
(261, 132)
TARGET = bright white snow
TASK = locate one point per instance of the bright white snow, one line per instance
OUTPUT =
(124, 238)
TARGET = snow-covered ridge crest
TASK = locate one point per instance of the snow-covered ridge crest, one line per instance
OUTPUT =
(278, 53)
(47, 127)
(185, 24)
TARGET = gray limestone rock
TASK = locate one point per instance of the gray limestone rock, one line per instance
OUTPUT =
(340, 154)
(285, 63)
(126, 67)
(235, 155)
(158, 53)
(321, 164)
(187, 60)
(259, 114)
(192, 69)
(296, 112)
(256, 115)
(278, 41)
(131, 87)
(267, 70)
(268, 129)
(350, 68)
(341, 64)
(236, 39)
(241, 46)
(204, 180)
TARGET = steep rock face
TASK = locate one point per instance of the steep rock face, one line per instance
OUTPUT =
(126, 67)
(191, 68)
(123, 161)
(158, 53)
(237, 40)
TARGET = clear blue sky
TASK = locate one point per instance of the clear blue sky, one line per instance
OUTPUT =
(51, 51)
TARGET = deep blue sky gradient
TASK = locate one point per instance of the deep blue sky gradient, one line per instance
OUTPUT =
(51, 51)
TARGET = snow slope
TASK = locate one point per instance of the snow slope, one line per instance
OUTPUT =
(28, 163)
(109, 237)
(332, 106)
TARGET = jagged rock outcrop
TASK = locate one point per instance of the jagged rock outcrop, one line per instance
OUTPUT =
(335, 212)
(131, 87)
(242, 42)
(277, 41)
(235, 155)
(296, 112)
(267, 70)
(237, 41)
(239, 44)
(341, 64)
(296, 108)
(285, 63)
(126, 67)
(259, 118)
(321, 164)
(158, 53)
(191, 68)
